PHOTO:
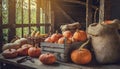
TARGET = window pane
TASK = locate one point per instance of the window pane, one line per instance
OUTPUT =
(5, 11)
(5, 35)
(25, 12)
(19, 32)
(42, 30)
(18, 11)
(33, 11)
(25, 30)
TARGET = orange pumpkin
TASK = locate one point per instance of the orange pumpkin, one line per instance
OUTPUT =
(48, 39)
(67, 34)
(62, 40)
(47, 58)
(34, 51)
(80, 35)
(55, 36)
(9, 53)
(23, 51)
(82, 56)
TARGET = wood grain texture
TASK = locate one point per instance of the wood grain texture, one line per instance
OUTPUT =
(57, 65)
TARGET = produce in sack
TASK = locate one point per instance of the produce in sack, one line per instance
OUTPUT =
(105, 41)
(34, 51)
(67, 34)
(9, 53)
(48, 39)
(10, 46)
(62, 40)
(81, 55)
(80, 35)
(47, 58)
(55, 36)
(23, 51)
(71, 27)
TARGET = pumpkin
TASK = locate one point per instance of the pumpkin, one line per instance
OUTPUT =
(80, 35)
(81, 55)
(9, 53)
(67, 34)
(55, 36)
(34, 51)
(10, 46)
(48, 39)
(47, 58)
(62, 40)
(23, 51)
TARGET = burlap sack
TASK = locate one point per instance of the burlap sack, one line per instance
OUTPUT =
(105, 41)
(71, 27)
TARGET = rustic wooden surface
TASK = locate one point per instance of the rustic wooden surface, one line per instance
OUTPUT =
(57, 65)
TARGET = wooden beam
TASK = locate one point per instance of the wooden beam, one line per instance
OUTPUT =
(64, 13)
(80, 2)
(29, 15)
(22, 18)
(38, 13)
(23, 25)
(104, 11)
(88, 13)
(11, 19)
(1, 31)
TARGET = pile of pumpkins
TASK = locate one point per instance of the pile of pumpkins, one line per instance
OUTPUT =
(78, 56)
(70, 37)
(20, 47)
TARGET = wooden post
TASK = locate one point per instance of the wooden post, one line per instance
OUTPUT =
(1, 32)
(29, 15)
(88, 13)
(104, 12)
(11, 19)
(52, 28)
(22, 18)
(38, 13)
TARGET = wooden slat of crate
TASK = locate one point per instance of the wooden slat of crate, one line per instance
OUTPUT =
(45, 44)
(49, 49)
(62, 51)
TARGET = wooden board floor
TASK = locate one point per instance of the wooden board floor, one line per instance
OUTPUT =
(58, 65)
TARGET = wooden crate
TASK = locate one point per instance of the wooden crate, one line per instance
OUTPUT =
(61, 51)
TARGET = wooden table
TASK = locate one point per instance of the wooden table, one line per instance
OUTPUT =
(58, 65)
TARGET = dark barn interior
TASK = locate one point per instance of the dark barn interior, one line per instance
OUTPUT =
(19, 18)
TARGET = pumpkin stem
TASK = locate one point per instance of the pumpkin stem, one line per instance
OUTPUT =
(9, 49)
(84, 44)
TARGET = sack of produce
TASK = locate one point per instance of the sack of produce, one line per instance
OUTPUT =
(105, 41)
(71, 27)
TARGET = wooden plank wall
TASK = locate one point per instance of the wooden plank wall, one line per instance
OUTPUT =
(104, 12)
(67, 13)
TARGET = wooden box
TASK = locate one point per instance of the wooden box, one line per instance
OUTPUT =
(61, 51)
